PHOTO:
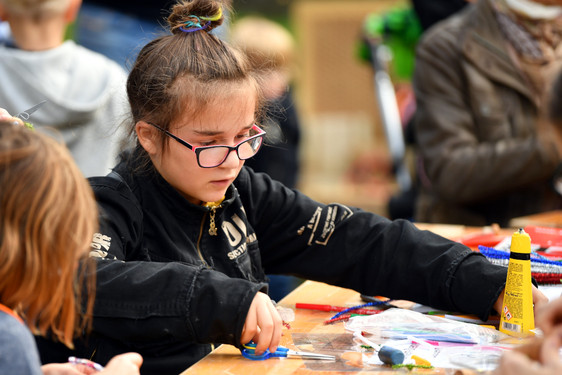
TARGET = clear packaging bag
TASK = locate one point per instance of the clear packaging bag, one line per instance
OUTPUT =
(401, 324)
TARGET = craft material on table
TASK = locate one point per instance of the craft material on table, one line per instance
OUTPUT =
(387, 354)
(311, 306)
(543, 270)
(517, 317)
(85, 362)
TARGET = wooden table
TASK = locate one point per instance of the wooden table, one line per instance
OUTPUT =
(308, 327)
(309, 333)
(544, 219)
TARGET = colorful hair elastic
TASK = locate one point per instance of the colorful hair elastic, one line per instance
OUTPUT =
(216, 17)
(194, 26)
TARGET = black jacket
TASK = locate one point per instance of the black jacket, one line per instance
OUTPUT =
(167, 288)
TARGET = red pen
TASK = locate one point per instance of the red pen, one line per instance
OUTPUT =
(310, 306)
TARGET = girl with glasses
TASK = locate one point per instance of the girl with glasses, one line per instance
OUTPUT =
(187, 233)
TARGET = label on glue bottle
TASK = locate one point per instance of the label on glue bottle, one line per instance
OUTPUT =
(517, 317)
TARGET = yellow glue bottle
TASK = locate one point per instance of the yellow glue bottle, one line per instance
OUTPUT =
(517, 317)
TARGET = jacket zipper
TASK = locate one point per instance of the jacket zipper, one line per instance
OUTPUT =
(199, 242)
(212, 226)
(212, 230)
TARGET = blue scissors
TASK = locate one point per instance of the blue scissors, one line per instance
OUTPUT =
(24, 115)
(249, 352)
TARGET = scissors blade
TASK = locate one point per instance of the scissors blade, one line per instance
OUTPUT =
(24, 115)
(308, 355)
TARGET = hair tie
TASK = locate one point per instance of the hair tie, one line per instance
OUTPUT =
(194, 26)
(216, 17)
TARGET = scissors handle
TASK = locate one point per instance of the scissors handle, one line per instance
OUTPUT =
(249, 352)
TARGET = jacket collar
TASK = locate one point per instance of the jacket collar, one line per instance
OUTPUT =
(486, 48)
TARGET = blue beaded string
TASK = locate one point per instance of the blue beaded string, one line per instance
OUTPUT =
(375, 303)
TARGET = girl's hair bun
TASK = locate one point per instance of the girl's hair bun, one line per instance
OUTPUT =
(195, 15)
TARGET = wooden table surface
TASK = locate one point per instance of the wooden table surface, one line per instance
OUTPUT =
(544, 219)
(309, 333)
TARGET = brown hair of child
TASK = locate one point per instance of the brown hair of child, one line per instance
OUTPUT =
(49, 216)
(187, 71)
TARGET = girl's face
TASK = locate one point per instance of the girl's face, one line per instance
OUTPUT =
(226, 121)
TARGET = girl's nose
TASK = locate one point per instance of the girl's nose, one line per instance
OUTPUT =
(232, 160)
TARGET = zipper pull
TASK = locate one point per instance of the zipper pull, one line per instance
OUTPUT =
(213, 206)
(212, 226)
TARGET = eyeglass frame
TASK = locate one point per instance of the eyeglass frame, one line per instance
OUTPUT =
(198, 149)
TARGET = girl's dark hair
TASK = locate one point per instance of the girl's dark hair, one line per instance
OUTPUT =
(186, 69)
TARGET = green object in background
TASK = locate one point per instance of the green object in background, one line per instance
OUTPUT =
(70, 31)
(398, 29)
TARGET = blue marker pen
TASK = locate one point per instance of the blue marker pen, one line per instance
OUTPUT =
(85, 362)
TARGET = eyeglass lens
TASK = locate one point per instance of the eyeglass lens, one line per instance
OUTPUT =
(214, 156)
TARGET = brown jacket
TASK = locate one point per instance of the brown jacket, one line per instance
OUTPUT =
(476, 127)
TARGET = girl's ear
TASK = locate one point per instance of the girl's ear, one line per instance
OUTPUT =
(148, 137)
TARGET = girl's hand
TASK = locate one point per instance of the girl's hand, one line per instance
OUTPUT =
(6, 117)
(537, 358)
(539, 300)
(66, 369)
(263, 324)
(549, 316)
(123, 364)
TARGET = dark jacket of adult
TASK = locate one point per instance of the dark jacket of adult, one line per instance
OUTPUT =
(168, 288)
(476, 127)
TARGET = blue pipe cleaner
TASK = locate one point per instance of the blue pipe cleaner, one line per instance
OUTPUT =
(490, 252)
(374, 303)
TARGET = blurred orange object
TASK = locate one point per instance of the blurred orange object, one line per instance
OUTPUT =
(485, 239)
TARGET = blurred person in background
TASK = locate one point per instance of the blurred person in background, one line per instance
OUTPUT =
(271, 52)
(480, 82)
(85, 91)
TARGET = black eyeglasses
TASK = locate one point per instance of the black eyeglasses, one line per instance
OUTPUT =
(213, 156)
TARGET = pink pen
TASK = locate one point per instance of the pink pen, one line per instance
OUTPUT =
(85, 362)
(310, 306)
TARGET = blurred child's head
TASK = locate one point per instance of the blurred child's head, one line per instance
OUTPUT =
(49, 216)
(270, 49)
(35, 8)
(198, 88)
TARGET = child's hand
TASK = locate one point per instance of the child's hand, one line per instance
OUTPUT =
(537, 358)
(66, 369)
(539, 300)
(6, 117)
(549, 316)
(123, 364)
(263, 324)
